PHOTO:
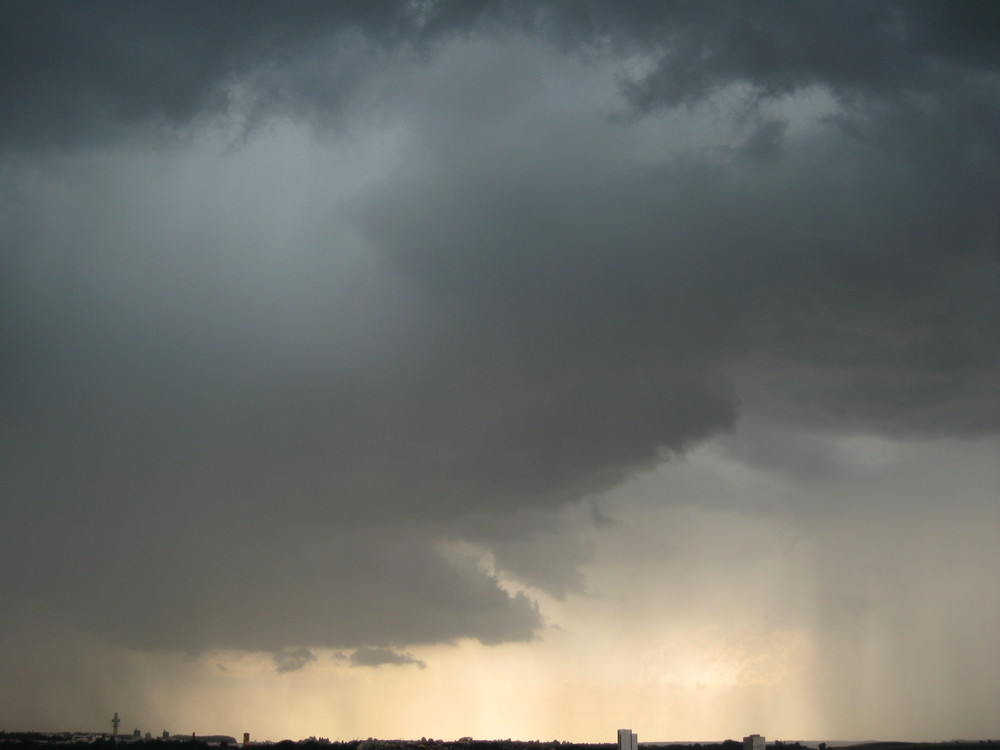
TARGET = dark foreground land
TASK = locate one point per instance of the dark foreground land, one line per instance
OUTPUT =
(29, 740)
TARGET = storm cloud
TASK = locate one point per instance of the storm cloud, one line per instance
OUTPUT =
(377, 657)
(293, 298)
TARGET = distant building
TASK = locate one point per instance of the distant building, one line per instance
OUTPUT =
(627, 740)
(753, 742)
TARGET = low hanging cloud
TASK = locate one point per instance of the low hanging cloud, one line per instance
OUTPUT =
(378, 657)
(292, 659)
(487, 270)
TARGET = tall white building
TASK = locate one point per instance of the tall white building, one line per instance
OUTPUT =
(754, 742)
(627, 740)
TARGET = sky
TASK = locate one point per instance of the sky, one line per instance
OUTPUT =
(500, 369)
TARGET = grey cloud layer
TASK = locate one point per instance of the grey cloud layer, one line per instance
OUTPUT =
(377, 657)
(216, 395)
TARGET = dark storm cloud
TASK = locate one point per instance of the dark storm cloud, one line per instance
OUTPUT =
(858, 275)
(777, 47)
(292, 659)
(88, 73)
(232, 573)
(207, 413)
(377, 657)
(81, 72)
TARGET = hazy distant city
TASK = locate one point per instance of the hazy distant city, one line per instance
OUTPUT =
(626, 740)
